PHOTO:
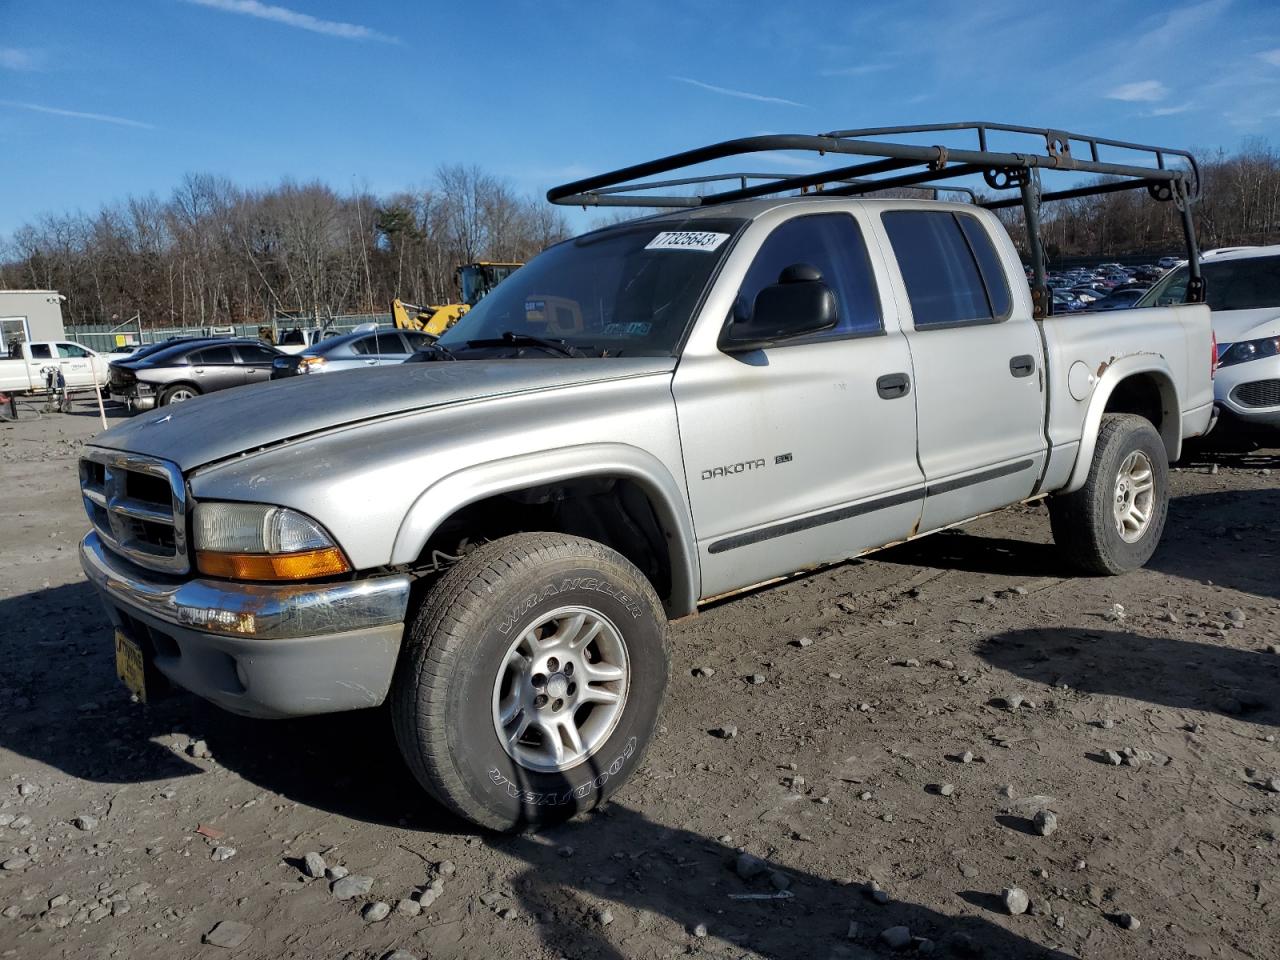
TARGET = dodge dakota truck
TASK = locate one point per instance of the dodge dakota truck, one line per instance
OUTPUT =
(660, 412)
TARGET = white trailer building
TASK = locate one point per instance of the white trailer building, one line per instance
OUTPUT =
(30, 315)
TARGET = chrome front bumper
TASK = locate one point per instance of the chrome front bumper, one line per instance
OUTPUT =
(254, 649)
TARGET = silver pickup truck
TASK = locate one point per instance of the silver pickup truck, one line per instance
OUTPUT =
(643, 418)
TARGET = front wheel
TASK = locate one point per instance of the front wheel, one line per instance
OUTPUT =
(530, 680)
(1113, 523)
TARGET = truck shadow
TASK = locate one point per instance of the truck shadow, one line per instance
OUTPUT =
(660, 884)
(1187, 674)
(1223, 538)
(62, 705)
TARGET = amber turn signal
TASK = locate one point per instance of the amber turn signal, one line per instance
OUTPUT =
(302, 565)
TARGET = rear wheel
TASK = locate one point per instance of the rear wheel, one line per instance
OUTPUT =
(178, 393)
(1113, 523)
(530, 680)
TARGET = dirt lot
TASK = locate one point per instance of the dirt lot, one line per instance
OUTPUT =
(850, 767)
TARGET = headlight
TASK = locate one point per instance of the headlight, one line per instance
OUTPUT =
(1247, 350)
(311, 364)
(256, 541)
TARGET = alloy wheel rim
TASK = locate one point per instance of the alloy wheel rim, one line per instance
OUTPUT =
(179, 396)
(1135, 496)
(561, 689)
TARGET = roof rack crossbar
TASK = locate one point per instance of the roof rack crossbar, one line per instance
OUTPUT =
(804, 181)
(1117, 187)
(601, 197)
(906, 180)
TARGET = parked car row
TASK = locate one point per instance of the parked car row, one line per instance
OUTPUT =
(1108, 286)
(183, 368)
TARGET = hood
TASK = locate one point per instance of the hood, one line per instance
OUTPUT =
(1232, 326)
(246, 418)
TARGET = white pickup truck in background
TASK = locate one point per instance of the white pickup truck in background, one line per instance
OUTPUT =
(24, 369)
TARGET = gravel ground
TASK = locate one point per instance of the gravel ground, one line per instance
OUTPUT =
(954, 747)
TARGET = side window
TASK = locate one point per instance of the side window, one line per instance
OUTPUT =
(252, 353)
(833, 243)
(362, 346)
(41, 351)
(72, 350)
(389, 343)
(213, 355)
(993, 276)
(941, 272)
(418, 340)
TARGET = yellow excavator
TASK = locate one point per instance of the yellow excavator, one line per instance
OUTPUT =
(475, 280)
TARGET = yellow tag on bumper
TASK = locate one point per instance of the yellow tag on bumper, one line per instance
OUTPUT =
(130, 666)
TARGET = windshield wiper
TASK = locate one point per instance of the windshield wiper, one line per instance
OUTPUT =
(509, 338)
(439, 349)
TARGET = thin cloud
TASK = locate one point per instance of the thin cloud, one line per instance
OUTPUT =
(293, 18)
(741, 94)
(1171, 111)
(1270, 56)
(1142, 91)
(77, 114)
(861, 70)
(11, 58)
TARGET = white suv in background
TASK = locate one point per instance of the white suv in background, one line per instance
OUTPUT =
(1243, 286)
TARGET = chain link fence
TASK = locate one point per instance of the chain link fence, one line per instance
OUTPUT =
(104, 337)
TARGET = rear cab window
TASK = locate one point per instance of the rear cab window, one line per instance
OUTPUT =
(833, 243)
(950, 268)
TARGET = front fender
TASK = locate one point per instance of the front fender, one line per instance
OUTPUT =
(456, 490)
(1117, 372)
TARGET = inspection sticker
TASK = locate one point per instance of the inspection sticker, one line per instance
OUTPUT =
(686, 240)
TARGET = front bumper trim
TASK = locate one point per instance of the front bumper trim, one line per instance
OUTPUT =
(264, 612)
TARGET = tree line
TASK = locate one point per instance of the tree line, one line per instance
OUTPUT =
(216, 253)
(1239, 204)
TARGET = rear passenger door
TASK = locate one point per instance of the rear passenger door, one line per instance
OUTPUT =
(215, 368)
(979, 396)
(803, 452)
(255, 361)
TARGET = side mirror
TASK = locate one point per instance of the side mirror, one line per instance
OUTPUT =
(798, 305)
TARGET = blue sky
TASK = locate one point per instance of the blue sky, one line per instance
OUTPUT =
(99, 100)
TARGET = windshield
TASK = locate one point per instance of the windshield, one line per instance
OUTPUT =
(626, 291)
(1248, 283)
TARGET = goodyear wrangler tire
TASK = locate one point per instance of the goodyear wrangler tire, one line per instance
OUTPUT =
(530, 680)
(1113, 524)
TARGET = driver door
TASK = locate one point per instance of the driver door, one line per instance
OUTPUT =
(803, 452)
(75, 363)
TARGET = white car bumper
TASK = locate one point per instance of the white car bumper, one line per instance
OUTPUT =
(1250, 391)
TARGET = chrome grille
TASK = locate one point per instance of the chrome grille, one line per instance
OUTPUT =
(138, 506)
(1260, 393)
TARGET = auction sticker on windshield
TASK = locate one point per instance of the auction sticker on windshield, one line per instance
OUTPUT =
(686, 240)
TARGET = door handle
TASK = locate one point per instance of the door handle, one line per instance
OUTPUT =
(893, 385)
(1022, 366)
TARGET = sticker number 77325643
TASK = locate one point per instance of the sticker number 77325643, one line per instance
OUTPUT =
(686, 240)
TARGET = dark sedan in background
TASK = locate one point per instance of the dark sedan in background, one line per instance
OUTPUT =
(188, 368)
(352, 351)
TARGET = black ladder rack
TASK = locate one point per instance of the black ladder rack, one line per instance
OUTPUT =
(1167, 174)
